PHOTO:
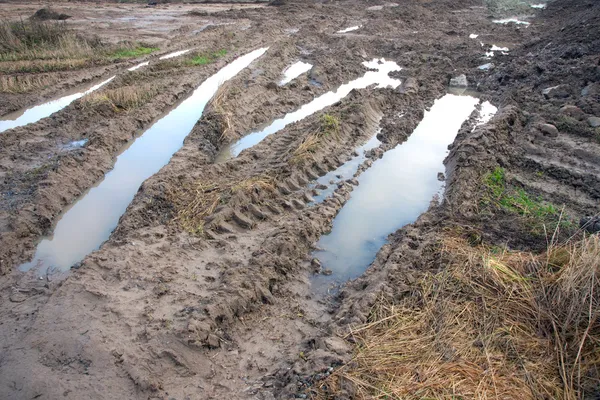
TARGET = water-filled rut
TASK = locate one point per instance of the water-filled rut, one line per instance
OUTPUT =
(89, 222)
(392, 193)
(377, 74)
(36, 113)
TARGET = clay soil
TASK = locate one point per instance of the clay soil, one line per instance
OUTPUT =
(204, 288)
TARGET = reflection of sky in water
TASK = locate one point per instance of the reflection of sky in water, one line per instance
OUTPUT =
(174, 54)
(90, 221)
(294, 71)
(378, 74)
(352, 28)
(344, 171)
(36, 113)
(393, 192)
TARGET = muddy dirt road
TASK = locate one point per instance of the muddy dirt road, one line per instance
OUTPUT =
(162, 236)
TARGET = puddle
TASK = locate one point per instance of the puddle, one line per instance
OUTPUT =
(487, 111)
(511, 21)
(343, 172)
(540, 6)
(352, 28)
(175, 54)
(89, 222)
(140, 65)
(486, 67)
(76, 144)
(294, 71)
(473, 36)
(44, 110)
(392, 193)
(378, 74)
(503, 50)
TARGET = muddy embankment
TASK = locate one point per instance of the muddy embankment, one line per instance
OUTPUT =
(203, 289)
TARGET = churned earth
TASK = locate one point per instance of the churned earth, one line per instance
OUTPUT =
(204, 288)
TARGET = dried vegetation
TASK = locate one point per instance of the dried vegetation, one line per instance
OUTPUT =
(488, 325)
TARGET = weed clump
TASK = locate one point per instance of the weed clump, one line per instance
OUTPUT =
(207, 58)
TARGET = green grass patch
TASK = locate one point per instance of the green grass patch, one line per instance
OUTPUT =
(516, 201)
(330, 124)
(207, 58)
(132, 52)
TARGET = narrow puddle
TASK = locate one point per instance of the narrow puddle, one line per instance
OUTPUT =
(511, 21)
(140, 65)
(327, 183)
(540, 6)
(350, 29)
(294, 71)
(392, 193)
(89, 222)
(378, 74)
(34, 114)
(174, 54)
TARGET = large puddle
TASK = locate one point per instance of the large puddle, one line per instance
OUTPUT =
(378, 74)
(392, 193)
(44, 110)
(89, 222)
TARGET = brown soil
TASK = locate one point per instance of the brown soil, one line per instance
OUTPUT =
(203, 290)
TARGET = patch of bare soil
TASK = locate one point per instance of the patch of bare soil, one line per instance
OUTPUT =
(203, 290)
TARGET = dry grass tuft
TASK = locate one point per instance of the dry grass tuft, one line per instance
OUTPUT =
(489, 326)
(330, 128)
(122, 98)
(194, 203)
(217, 108)
(25, 83)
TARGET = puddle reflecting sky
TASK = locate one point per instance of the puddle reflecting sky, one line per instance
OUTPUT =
(86, 225)
(378, 74)
(392, 193)
(294, 71)
(44, 110)
(350, 29)
(174, 54)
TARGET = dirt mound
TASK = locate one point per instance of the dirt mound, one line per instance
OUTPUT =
(47, 14)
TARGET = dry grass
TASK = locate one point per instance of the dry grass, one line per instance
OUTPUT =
(217, 108)
(25, 83)
(36, 40)
(122, 98)
(330, 128)
(194, 203)
(491, 325)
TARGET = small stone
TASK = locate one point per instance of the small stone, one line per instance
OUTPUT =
(441, 177)
(572, 111)
(594, 122)
(548, 129)
(327, 271)
(560, 91)
(459, 81)
(353, 181)
(486, 67)
(316, 265)
(212, 341)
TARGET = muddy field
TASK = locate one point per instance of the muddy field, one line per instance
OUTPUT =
(192, 227)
